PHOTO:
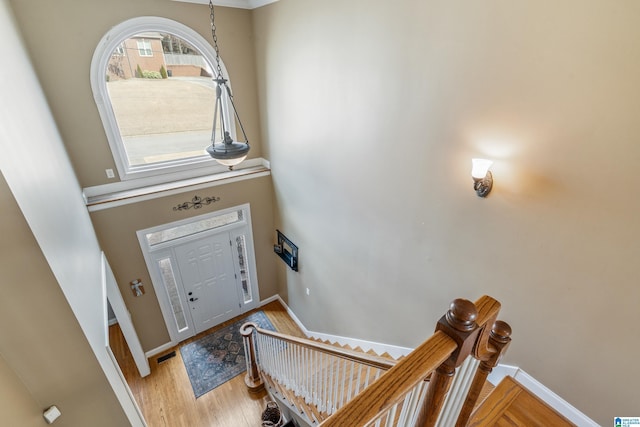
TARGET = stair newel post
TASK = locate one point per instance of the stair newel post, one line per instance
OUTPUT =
(252, 379)
(499, 339)
(459, 323)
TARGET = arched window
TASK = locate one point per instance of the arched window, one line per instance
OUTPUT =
(152, 80)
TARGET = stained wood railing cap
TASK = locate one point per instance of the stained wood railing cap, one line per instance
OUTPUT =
(501, 331)
(247, 328)
(462, 315)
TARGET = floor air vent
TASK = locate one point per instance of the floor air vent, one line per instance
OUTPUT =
(166, 356)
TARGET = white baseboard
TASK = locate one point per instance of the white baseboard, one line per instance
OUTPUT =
(544, 393)
(272, 298)
(164, 347)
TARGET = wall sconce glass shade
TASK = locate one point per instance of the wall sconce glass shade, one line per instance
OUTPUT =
(482, 177)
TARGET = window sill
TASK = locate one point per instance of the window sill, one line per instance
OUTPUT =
(126, 192)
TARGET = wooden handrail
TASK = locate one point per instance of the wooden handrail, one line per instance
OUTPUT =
(392, 387)
(488, 310)
(467, 329)
(343, 353)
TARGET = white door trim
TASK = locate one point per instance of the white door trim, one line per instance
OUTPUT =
(151, 255)
(112, 292)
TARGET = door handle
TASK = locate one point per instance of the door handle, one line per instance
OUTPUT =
(193, 299)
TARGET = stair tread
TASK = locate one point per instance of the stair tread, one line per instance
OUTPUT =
(510, 402)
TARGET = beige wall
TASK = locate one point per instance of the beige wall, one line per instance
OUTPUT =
(45, 357)
(372, 113)
(17, 406)
(116, 229)
(73, 30)
(77, 28)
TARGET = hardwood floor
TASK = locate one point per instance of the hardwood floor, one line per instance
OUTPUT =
(166, 397)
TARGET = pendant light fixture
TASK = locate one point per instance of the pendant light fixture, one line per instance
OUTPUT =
(223, 148)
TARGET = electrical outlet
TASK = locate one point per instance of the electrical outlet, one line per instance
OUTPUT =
(110, 173)
(307, 291)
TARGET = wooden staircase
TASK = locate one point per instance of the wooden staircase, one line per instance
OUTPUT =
(358, 378)
(336, 386)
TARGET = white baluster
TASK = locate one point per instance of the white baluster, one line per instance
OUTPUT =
(271, 346)
(312, 385)
(352, 364)
(298, 367)
(458, 392)
(280, 362)
(307, 379)
(301, 369)
(324, 390)
(359, 379)
(343, 382)
(318, 383)
(402, 419)
(391, 416)
(420, 397)
(246, 353)
(289, 365)
(366, 381)
(330, 396)
(270, 350)
(308, 359)
(294, 369)
(336, 384)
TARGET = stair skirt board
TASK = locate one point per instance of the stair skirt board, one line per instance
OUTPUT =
(393, 350)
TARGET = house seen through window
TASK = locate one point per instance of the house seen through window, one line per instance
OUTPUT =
(156, 97)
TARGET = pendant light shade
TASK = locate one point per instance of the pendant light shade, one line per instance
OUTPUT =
(223, 148)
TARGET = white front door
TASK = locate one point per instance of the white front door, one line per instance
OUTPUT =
(203, 269)
(207, 273)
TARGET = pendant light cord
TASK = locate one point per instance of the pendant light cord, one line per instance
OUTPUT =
(215, 38)
(220, 79)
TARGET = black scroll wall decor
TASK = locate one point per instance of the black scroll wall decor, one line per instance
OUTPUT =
(287, 251)
(197, 202)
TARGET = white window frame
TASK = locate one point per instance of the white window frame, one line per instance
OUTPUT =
(109, 43)
(144, 47)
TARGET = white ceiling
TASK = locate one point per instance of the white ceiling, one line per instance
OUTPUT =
(241, 4)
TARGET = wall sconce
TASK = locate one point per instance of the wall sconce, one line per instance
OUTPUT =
(482, 177)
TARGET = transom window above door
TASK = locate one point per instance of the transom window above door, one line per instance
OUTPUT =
(152, 80)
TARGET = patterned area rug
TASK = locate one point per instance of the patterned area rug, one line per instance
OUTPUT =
(216, 358)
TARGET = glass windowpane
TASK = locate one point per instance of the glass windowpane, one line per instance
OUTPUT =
(169, 279)
(193, 228)
(163, 96)
(244, 268)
